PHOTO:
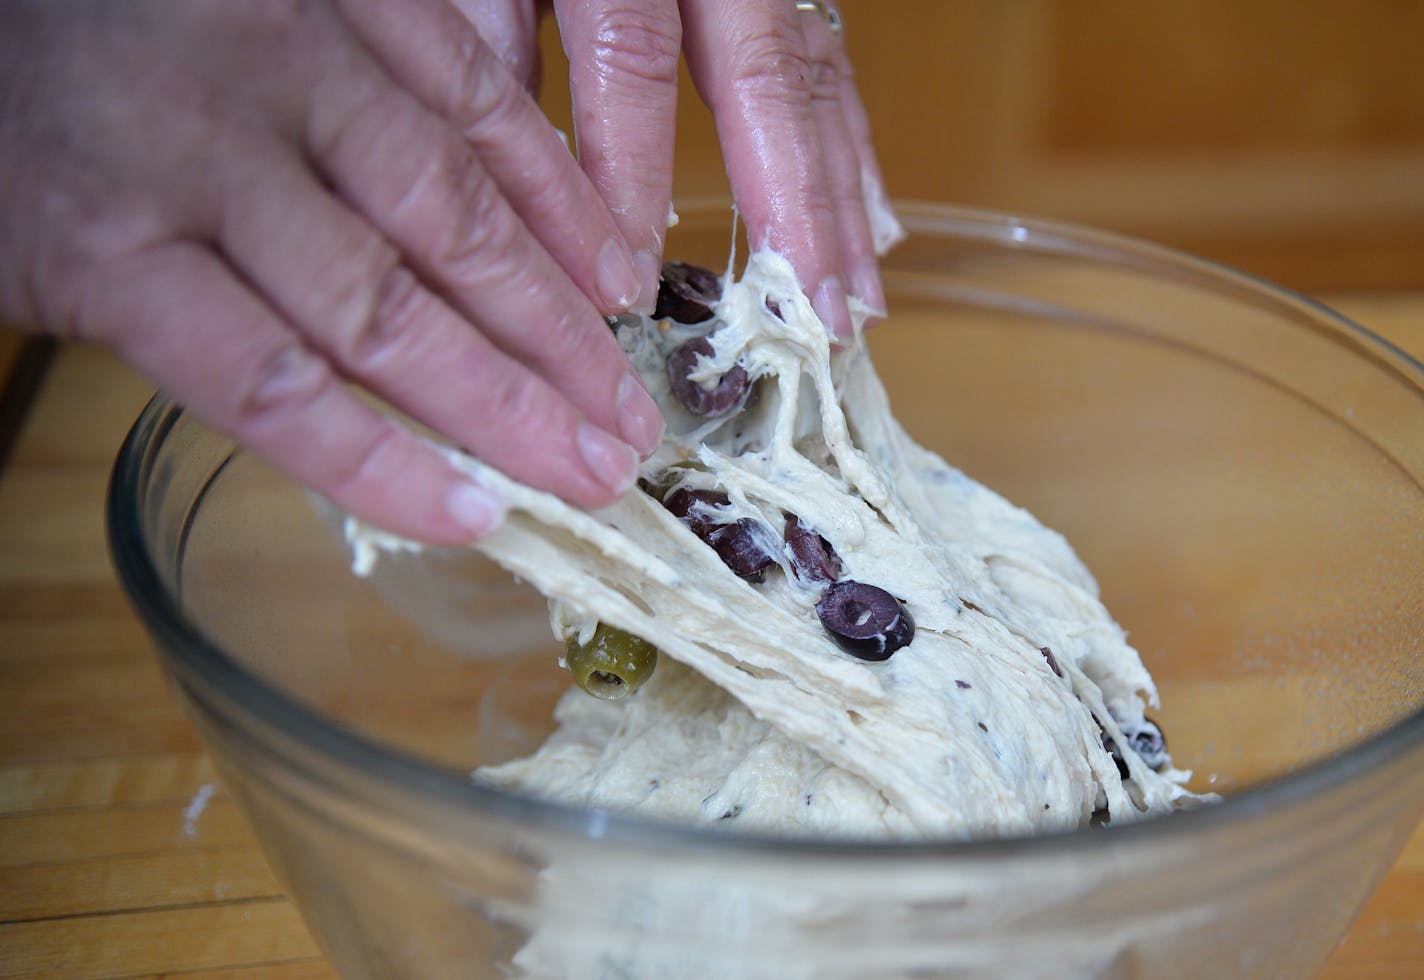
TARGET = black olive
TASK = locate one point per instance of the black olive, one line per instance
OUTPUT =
(1149, 743)
(865, 620)
(687, 293)
(1146, 740)
(689, 506)
(740, 547)
(739, 543)
(719, 399)
(812, 556)
(1052, 660)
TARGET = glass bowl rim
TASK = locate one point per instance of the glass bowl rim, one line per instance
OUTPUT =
(193, 657)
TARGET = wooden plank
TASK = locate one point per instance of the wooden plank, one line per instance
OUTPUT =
(306, 969)
(24, 362)
(52, 496)
(164, 778)
(52, 525)
(102, 709)
(90, 399)
(131, 883)
(252, 933)
(119, 831)
(84, 610)
(1387, 941)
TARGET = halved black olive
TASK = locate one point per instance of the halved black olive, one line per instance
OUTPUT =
(812, 556)
(706, 402)
(687, 293)
(1052, 660)
(1146, 740)
(740, 547)
(738, 543)
(864, 619)
(1149, 743)
(689, 506)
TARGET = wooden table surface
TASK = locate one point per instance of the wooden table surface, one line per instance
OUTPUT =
(119, 856)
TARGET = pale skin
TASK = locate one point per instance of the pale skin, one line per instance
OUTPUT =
(268, 207)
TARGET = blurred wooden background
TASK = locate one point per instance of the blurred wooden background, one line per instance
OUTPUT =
(1285, 137)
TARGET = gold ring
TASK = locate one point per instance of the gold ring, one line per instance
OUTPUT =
(832, 15)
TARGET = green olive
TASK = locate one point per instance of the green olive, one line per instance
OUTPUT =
(612, 665)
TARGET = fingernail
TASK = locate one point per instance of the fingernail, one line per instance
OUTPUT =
(639, 420)
(865, 284)
(474, 508)
(830, 305)
(617, 282)
(612, 462)
(649, 268)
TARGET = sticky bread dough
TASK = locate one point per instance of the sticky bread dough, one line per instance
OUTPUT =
(754, 719)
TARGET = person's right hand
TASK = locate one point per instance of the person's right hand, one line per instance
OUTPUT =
(266, 207)
(793, 131)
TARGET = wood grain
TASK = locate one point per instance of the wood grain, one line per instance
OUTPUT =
(104, 869)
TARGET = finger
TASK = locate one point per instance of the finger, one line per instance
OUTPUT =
(179, 316)
(859, 267)
(346, 290)
(413, 178)
(751, 65)
(511, 29)
(623, 58)
(431, 49)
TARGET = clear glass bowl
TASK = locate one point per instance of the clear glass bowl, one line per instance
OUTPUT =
(1241, 467)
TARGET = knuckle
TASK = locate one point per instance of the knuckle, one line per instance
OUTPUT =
(281, 386)
(637, 44)
(515, 401)
(825, 80)
(373, 461)
(771, 66)
(386, 319)
(450, 212)
(79, 270)
(48, 288)
(351, 123)
(564, 340)
(94, 295)
(480, 227)
(481, 97)
(430, 173)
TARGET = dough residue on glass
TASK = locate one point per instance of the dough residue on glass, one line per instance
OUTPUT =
(1017, 707)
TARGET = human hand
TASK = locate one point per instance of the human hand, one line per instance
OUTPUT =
(794, 133)
(256, 205)
(268, 208)
(793, 129)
